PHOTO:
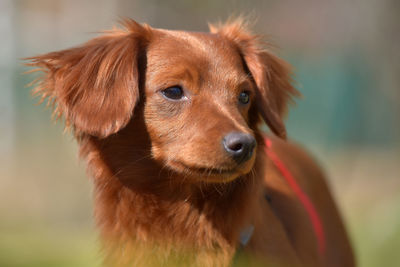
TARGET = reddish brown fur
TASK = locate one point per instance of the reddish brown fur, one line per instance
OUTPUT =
(165, 191)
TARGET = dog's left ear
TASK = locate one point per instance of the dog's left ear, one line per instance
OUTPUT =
(95, 86)
(271, 74)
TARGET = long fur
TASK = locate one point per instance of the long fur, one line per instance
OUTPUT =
(162, 193)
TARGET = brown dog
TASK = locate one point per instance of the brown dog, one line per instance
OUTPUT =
(168, 122)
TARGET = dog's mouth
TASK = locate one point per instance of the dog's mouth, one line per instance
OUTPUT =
(208, 174)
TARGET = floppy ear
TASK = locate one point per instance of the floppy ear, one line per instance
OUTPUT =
(94, 86)
(271, 74)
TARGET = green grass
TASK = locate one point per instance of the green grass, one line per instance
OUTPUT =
(42, 248)
(376, 233)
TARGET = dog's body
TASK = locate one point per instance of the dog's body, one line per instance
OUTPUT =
(168, 123)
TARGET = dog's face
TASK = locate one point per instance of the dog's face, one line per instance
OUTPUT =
(201, 93)
(197, 101)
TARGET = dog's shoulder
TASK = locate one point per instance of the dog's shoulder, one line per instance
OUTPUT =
(290, 159)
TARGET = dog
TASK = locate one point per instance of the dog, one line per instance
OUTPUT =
(169, 125)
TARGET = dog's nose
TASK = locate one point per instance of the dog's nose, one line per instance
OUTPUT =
(240, 146)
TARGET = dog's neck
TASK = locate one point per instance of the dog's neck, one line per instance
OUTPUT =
(145, 206)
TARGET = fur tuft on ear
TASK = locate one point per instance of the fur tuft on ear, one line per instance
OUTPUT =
(271, 74)
(94, 86)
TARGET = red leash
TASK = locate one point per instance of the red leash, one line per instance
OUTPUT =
(301, 195)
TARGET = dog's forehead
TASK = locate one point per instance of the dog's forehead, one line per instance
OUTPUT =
(203, 52)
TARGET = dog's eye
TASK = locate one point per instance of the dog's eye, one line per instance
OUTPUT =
(174, 93)
(244, 97)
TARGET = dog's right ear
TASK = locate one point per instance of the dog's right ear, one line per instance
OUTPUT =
(95, 86)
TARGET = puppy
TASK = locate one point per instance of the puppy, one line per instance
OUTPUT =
(168, 123)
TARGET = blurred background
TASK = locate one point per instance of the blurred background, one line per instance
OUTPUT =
(347, 66)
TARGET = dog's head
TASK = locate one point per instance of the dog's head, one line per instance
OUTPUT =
(201, 94)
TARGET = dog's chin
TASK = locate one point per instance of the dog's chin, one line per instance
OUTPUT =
(211, 174)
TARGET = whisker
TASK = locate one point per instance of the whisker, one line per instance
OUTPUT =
(216, 189)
